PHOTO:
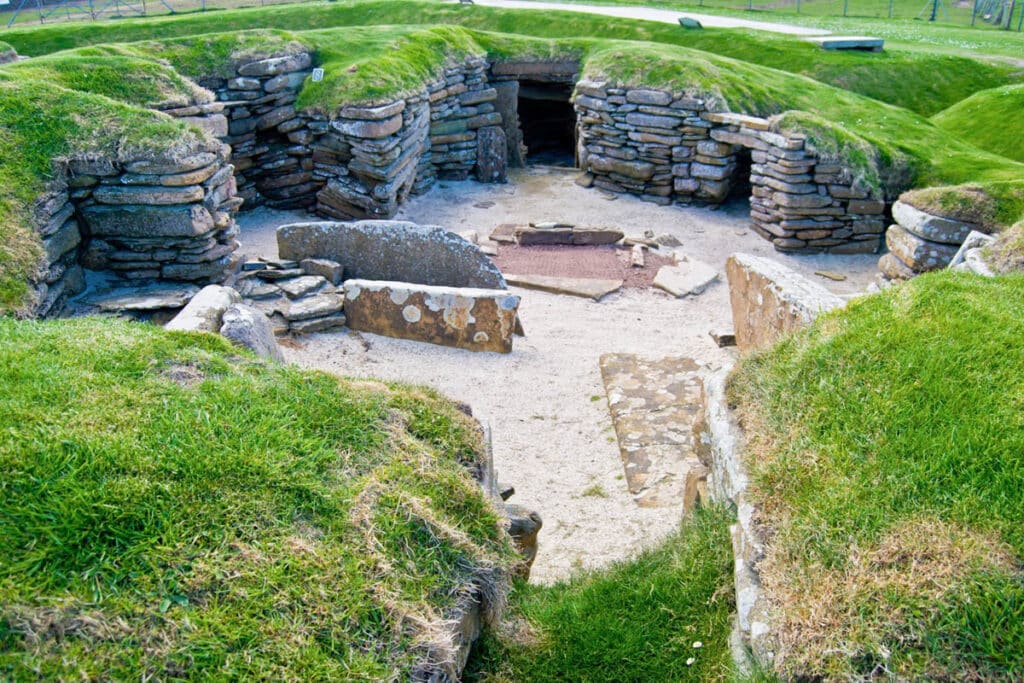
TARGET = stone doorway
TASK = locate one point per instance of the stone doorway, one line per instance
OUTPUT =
(548, 123)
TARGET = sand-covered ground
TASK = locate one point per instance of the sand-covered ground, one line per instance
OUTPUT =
(552, 434)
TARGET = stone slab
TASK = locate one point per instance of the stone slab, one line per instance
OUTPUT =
(653, 405)
(685, 278)
(920, 254)
(769, 300)
(587, 288)
(249, 327)
(147, 221)
(144, 299)
(468, 318)
(930, 227)
(393, 251)
(205, 310)
(861, 43)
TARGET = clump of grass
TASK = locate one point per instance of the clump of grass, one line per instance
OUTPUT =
(595, 491)
(173, 509)
(142, 82)
(634, 621)
(969, 203)
(1006, 254)
(988, 120)
(885, 450)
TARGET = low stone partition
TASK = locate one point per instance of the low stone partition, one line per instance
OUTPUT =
(920, 241)
(667, 147)
(392, 250)
(769, 300)
(463, 317)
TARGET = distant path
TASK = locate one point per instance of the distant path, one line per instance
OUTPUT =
(660, 15)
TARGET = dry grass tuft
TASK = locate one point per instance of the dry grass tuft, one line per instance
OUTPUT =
(821, 623)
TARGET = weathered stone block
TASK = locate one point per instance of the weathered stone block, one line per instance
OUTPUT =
(769, 300)
(392, 250)
(918, 253)
(249, 327)
(361, 128)
(276, 65)
(474, 319)
(491, 154)
(148, 221)
(143, 194)
(204, 312)
(930, 227)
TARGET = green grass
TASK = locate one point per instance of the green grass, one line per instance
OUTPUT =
(886, 451)
(634, 621)
(920, 81)
(40, 122)
(174, 508)
(990, 119)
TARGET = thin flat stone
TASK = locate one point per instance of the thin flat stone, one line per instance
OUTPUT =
(685, 278)
(588, 288)
(301, 286)
(315, 307)
(280, 274)
(145, 299)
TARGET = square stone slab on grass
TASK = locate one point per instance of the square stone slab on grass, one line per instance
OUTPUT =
(466, 318)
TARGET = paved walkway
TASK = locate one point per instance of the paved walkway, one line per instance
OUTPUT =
(659, 15)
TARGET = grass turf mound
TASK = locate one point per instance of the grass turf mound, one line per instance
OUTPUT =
(990, 119)
(664, 616)
(886, 452)
(921, 81)
(171, 508)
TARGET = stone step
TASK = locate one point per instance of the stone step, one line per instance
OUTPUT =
(653, 405)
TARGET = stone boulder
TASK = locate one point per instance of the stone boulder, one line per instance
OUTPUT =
(205, 311)
(919, 254)
(467, 318)
(392, 251)
(249, 327)
(769, 300)
(929, 227)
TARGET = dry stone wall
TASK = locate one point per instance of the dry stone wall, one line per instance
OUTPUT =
(919, 241)
(143, 219)
(665, 147)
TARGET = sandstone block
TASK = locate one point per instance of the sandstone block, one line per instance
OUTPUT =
(468, 318)
(374, 130)
(769, 300)
(685, 278)
(276, 65)
(152, 195)
(332, 271)
(148, 221)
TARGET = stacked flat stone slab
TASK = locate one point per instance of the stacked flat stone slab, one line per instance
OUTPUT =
(144, 219)
(919, 241)
(273, 144)
(159, 219)
(296, 297)
(665, 147)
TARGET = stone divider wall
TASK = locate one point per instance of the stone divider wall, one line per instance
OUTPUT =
(665, 147)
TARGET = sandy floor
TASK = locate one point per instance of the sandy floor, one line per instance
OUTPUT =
(552, 434)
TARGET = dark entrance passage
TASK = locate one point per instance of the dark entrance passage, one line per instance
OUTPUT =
(548, 122)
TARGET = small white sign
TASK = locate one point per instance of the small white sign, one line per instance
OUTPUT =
(318, 74)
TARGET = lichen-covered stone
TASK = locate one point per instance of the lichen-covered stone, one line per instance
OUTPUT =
(468, 318)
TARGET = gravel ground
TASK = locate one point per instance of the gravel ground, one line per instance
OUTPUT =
(552, 434)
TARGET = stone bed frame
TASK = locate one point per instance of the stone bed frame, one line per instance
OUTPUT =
(161, 220)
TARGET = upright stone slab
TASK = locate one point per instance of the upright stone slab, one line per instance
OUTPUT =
(394, 251)
(466, 318)
(768, 300)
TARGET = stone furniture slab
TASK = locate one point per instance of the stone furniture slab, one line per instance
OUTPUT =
(468, 318)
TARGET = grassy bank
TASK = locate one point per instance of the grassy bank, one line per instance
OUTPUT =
(990, 119)
(173, 509)
(664, 616)
(885, 449)
(920, 81)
